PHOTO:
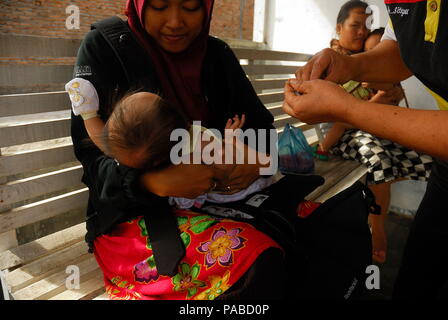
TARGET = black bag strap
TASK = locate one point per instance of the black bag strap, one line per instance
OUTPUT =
(135, 62)
(164, 235)
(372, 206)
(163, 231)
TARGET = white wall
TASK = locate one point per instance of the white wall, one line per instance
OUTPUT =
(307, 26)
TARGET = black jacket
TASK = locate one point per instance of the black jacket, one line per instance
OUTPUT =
(115, 192)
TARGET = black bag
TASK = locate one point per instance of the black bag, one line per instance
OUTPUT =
(271, 210)
(328, 252)
(337, 245)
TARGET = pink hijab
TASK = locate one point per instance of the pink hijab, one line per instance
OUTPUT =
(179, 73)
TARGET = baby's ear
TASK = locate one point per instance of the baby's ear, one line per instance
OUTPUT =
(338, 28)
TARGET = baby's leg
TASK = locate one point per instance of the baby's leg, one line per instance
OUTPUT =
(379, 239)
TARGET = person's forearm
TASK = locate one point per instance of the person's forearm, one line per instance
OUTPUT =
(381, 64)
(422, 130)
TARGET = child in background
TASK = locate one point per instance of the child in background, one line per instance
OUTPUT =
(141, 123)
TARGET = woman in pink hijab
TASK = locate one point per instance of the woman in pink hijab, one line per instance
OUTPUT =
(145, 248)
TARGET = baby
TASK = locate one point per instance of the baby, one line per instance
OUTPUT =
(137, 134)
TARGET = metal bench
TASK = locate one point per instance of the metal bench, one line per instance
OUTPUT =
(42, 199)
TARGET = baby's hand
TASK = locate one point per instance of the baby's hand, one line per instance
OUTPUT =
(236, 122)
(83, 96)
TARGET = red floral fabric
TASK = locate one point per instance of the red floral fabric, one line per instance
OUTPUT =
(218, 253)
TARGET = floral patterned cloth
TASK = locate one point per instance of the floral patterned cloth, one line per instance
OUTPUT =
(218, 253)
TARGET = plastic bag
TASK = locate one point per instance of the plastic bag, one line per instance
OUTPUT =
(295, 154)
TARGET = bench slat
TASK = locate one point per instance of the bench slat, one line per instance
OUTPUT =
(27, 119)
(261, 69)
(34, 127)
(334, 171)
(39, 185)
(96, 293)
(25, 46)
(312, 141)
(276, 110)
(28, 75)
(19, 104)
(87, 274)
(256, 54)
(355, 175)
(32, 88)
(93, 286)
(41, 268)
(304, 127)
(266, 84)
(46, 157)
(55, 283)
(44, 246)
(274, 97)
(104, 296)
(44, 209)
(281, 121)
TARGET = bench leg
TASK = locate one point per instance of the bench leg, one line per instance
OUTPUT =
(4, 293)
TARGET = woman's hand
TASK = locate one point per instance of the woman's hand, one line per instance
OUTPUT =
(317, 101)
(234, 177)
(244, 169)
(328, 65)
(239, 177)
(183, 180)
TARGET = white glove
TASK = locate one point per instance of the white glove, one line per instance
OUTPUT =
(83, 96)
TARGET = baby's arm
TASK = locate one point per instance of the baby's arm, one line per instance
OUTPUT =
(95, 127)
(85, 103)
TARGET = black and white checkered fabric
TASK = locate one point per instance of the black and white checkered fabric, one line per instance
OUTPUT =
(385, 159)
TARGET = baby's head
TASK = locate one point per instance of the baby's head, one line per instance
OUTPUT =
(334, 44)
(373, 39)
(138, 131)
